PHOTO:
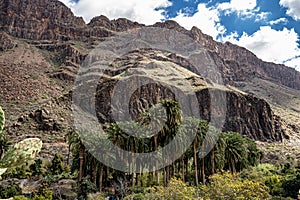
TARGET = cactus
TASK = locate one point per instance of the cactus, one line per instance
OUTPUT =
(21, 152)
(2, 120)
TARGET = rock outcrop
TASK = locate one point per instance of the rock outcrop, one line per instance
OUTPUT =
(52, 20)
(246, 114)
(6, 42)
(118, 25)
(51, 27)
(239, 64)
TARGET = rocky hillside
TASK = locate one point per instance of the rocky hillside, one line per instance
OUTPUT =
(244, 113)
(42, 45)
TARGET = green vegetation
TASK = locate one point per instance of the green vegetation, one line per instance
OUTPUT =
(230, 170)
(230, 151)
(9, 190)
(231, 186)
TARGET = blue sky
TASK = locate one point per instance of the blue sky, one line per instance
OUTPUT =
(269, 28)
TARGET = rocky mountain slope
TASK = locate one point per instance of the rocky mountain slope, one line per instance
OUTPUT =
(42, 45)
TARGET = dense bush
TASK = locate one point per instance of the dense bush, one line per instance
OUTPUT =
(36, 168)
(85, 187)
(231, 186)
(176, 190)
(57, 165)
(9, 190)
(291, 185)
(20, 172)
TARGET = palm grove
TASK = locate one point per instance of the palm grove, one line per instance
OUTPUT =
(230, 151)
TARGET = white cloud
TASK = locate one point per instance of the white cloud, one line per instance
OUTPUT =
(245, 9)
(68, 3)
(293, 8)
(135, 10)
(278, 21)
(206, 19)
(269, 44)
(239, 6)
(295, 63)
(262, 16)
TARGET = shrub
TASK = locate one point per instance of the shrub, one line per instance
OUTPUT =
(20, 198)
(230, 186)
(20, 172)
(85, 187)
(9, 190)
(43, 194)
(291, 185)
(36, 168)
(176, 190)
(57, 165)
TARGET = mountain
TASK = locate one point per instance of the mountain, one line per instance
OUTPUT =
(43, 45)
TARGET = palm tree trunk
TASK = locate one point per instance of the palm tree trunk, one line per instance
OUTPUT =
(183, 168)
(69, 151)
(100, 177)
(95, 172)
(168, 174)
(203, 165)
(165, 177)
(138, 167)
(132, 167)
(156, 160)
(186, 161)
(173, 169)
(213, 161)
(195, 163)
(81, 156)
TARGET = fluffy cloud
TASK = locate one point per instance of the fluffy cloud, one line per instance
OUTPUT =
(271, 45)
(262, 16)
(136, 10)
(206, 19)
(294, 63)
(239, 6)
(293, 7)
(278, 21)
(245, 9)
(68, 3)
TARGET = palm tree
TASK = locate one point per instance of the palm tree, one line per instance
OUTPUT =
(201, 135)
(200, 128)
(213, 140)
(253, 153)
(174, 117)
(235, 151)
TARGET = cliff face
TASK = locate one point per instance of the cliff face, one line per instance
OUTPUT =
(244, 113)
(39, 19)
(62, 41)
(240, 64)
(52, 20)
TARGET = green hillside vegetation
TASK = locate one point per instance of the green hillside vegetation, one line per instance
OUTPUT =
(231, 170)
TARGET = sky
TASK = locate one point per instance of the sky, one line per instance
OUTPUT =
(268, 28)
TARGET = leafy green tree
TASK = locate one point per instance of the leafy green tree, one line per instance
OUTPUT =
(268, 174)
(57, 165)
(291, 185)
(36, 168)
